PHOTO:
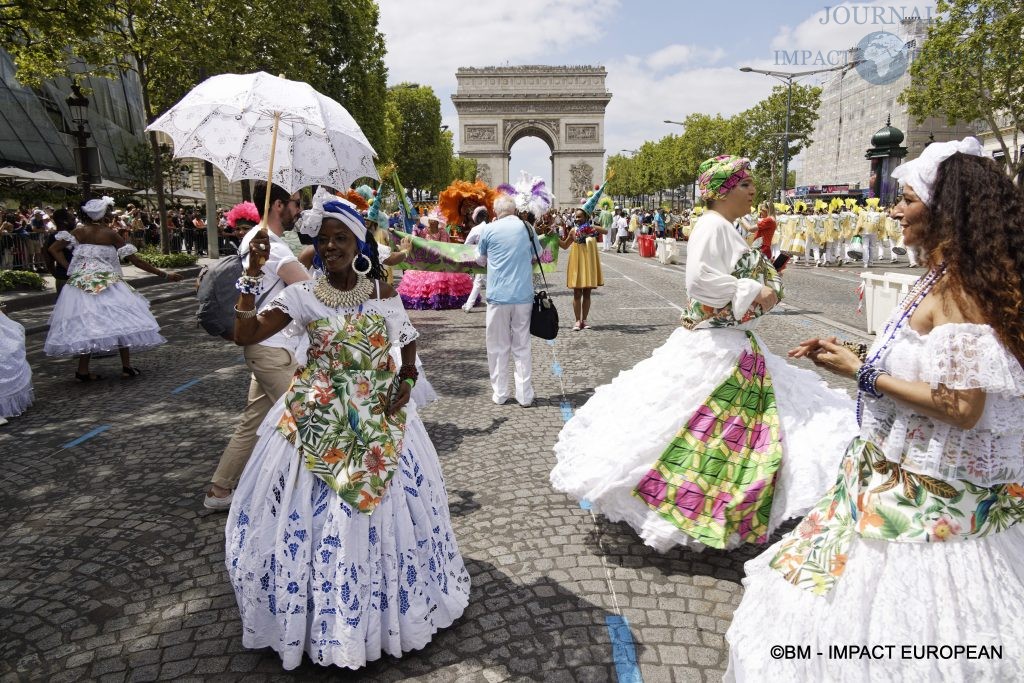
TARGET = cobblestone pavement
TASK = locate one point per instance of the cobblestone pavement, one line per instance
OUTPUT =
(112, 570)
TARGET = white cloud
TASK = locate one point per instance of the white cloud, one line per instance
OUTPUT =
(428, 40)
(678, 55)
(643, 98)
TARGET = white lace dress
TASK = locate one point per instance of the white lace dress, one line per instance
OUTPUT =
(15, 373)
(941, 587)
(604, 451)
(313, 574)
(97, 311)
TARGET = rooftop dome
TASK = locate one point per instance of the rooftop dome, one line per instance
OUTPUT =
(889, 136)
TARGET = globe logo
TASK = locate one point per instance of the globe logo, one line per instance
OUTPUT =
(884, 57)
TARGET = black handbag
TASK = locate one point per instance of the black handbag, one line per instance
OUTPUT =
(543, 314)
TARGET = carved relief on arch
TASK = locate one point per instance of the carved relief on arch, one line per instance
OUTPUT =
(514, 127)
(483, 172)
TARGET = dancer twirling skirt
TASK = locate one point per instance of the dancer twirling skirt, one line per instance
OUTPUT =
(722, 440)
(918, 545)
(339, 541)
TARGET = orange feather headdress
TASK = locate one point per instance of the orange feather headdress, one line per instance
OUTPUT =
(452, 198)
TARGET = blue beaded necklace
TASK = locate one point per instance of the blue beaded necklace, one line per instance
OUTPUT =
(913, 300)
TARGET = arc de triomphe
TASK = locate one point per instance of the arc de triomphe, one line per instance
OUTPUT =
(562, 105)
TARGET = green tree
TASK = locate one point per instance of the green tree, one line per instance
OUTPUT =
(970, 69)
(351, 65)
(139, 164)
(419, 143)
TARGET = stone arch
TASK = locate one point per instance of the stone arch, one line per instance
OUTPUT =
(564, 106)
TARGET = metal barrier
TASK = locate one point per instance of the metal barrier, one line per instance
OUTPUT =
(22, 251)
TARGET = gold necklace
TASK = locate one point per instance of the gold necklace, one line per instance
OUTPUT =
(333, 297)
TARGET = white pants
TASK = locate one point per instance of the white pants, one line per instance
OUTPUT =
(508, 331)
(478, 282)
(868, 246)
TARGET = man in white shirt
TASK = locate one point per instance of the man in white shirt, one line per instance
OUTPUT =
(621, 229)
(272, 361)
(508, 245)
(479, 219)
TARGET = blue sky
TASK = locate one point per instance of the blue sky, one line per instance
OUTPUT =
(665, 59)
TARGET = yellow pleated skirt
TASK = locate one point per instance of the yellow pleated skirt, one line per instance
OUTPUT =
(584, 269)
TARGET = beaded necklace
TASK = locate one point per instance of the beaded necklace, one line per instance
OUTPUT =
(343, 298)
(910, 304)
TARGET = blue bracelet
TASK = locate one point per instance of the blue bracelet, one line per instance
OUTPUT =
(867, 379)
(245, 285)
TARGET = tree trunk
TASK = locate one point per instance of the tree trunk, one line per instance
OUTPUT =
(158, 180)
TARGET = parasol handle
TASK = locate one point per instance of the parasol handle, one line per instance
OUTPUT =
(270, 177)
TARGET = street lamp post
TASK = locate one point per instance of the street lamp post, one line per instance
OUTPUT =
(788, 77)
(79, 106)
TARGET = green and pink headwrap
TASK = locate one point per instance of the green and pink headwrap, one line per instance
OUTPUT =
(720, 174)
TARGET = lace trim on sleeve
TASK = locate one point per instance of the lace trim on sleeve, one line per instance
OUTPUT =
(967, 356)
(127, 250)
(65, 236)
(400, 329)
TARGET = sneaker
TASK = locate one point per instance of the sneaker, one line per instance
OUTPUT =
(212, 502)
(584, 325)
(577, 327)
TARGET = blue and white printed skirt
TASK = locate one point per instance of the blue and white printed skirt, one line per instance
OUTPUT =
(312, 574)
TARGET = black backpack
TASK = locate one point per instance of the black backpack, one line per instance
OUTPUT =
(215, 289)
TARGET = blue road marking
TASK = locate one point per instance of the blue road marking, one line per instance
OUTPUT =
(556, 369)
(585, 504)
(186, 385)
(85, 437)
(623, 649)
(566, 411)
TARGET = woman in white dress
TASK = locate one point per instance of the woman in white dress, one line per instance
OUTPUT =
(15, 373)
(96, 311)
(339, 542)
(917, 546)
(723, 440)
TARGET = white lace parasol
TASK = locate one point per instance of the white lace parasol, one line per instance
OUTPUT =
(229, 121)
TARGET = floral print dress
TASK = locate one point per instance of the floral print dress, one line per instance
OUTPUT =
(918, 542)
(338, 542)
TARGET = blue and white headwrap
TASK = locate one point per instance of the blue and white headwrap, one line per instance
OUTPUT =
(327, 205)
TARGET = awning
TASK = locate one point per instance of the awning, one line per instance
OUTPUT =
(48, 176)
(111, 185)
(16, 173)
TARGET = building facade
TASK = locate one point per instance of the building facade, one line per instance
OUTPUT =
(854, 108)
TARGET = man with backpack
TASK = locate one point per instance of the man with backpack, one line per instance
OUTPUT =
(272, 361)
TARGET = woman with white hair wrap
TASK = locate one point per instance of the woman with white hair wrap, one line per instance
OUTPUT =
(339, 542)
(96, 311)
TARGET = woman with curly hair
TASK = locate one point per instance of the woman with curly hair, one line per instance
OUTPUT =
(917, 543)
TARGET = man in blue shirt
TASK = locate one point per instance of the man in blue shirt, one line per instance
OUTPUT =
(505, 244)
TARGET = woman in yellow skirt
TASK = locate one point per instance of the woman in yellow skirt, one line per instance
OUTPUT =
(583, 273)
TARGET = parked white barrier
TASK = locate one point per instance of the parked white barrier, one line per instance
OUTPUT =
(882, 294)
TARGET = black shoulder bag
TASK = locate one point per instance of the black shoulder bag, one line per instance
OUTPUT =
(543, 315)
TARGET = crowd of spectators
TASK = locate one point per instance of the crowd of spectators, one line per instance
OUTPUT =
(26, 232)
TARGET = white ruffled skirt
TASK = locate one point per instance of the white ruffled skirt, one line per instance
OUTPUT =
(963, 593)
(116, 317)
(312, 575)
(616, 437)
(15, 373)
